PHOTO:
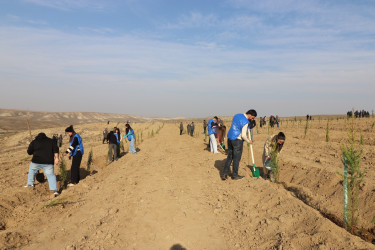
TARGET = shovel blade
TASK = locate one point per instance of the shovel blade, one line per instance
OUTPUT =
(255, 171)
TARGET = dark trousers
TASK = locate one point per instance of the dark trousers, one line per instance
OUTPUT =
(112, 148)
(74, 170)
(180, 131)
(192, 132)
(234, 154)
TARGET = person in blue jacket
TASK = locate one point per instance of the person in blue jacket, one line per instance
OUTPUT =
(212, 123)
(237, 134)
(75, 150)
(129, 134)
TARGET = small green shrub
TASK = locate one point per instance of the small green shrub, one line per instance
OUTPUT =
(327, 131)
(89, 160)
(351, 158)
(54, 202)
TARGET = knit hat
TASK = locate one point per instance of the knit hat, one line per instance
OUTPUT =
(69, 129)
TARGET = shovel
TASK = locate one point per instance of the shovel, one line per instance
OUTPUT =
(254, 170)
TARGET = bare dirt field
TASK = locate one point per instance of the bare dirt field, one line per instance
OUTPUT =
(170, 195)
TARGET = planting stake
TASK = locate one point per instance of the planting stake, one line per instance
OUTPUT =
(345, 193)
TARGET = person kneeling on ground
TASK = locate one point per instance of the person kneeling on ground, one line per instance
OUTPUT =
(272, 146)
(75, 150)
(129, 134)
(237, 134)
(45, 153)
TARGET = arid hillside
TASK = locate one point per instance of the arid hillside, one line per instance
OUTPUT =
(14, 120)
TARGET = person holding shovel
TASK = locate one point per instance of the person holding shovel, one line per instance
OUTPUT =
(75, 151)
(237, 134)
(272, 146)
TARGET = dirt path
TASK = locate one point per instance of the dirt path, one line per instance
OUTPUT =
(170, 195)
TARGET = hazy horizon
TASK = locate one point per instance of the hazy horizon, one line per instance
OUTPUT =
(164, 58)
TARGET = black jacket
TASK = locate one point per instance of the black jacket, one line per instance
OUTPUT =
(112, 138)
(43, 149)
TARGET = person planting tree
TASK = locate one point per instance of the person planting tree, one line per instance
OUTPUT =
(45, 154)
(272, 148)
(129, 134)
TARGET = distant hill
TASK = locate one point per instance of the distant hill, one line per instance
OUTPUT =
(13, 120)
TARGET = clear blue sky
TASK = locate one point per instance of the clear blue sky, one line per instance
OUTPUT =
(188, 58)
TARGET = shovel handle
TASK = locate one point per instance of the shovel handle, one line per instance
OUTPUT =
(251, 147)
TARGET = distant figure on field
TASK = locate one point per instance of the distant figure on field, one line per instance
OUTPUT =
(105, 134)
(181, 128)
(45, 153)
(236, 135)
(272, 121)
(188, 128)
(273, 145)
(75, 150)
(129, 134)
(204, 126)
(212, 124)
(192, 127)
(60, 140)
(277, 120)
(220, 122)
(307, 117)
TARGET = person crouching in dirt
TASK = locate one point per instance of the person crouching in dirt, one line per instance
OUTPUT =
(272, 146)
(237, 134)
(129, 134)
(45, 153)
(76, 151)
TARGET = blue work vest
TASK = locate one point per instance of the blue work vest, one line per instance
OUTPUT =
(80, 145)
(210, 131)
(238, 122)
(117, 139)
(131, 135)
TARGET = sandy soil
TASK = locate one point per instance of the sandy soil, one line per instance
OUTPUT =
(170, 196)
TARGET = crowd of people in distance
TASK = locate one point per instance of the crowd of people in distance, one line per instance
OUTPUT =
(358, 114)
(190, 128)
(58, 139)
(273, 120)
